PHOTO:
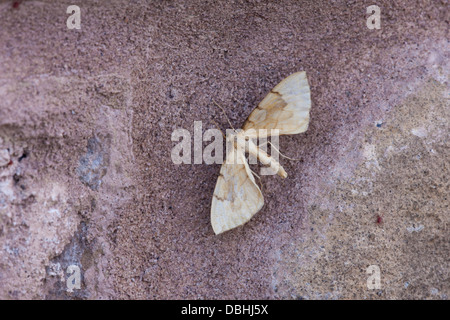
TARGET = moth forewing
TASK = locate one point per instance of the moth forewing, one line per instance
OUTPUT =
(286, 107)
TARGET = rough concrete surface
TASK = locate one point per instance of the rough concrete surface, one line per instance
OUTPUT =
(86, 177)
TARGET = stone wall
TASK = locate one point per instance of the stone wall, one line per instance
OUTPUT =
(86, 177)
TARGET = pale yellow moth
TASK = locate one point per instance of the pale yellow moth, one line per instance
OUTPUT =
(237, 198)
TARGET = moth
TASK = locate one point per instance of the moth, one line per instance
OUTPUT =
(237, 197)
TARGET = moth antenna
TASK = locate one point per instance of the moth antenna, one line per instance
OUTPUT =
(281, 153)
(219, 128)
(223, 110)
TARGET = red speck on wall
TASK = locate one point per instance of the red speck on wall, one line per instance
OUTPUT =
(379, 219)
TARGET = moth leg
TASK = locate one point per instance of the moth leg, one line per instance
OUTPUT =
(259, 178)
(279, 152)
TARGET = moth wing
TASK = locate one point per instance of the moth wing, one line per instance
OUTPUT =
(285, 108)
(236, 196)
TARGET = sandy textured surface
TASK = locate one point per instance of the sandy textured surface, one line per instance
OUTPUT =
(86, 176)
